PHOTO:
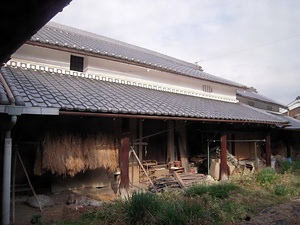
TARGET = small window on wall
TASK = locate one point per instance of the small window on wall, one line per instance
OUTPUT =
(207, 88)
(251, 103)
(76, 63)
(269, 108)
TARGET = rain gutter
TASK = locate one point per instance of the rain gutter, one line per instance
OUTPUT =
(71, 113)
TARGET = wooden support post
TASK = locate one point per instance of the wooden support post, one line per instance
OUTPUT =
(224, 169)
(124, 161)
(255, 154)
(289, 150)
(13, 216)
(140, 139)
(133, 132)
(268, 150)
(183, 154)
(170, 141)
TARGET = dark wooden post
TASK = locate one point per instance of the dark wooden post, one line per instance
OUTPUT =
(268, 149)
(170, 141)
(124, 161)
(289, 150)
(223, 156)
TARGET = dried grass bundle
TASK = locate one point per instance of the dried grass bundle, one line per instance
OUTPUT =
(69, 153)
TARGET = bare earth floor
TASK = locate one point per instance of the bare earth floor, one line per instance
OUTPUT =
(283, 214)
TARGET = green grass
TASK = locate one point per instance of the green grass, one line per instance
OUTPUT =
(221, 203)
(216, 190)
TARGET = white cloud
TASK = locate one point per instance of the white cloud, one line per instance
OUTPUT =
(196, 30)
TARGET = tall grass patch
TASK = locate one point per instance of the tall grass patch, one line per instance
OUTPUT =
(216, 190)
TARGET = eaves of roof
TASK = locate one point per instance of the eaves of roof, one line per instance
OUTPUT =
(57, 36)
(78, 93)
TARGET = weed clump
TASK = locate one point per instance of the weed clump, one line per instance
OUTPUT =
(266, 177)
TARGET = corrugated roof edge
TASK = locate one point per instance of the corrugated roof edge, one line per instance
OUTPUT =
(192, 66)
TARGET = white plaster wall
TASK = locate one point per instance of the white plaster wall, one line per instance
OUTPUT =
(142, 76)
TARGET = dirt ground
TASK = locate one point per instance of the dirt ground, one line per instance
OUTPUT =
(283, 214)
(61, 210)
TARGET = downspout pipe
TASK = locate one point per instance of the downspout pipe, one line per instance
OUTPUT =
(7, 156)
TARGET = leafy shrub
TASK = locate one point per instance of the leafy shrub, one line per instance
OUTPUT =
(286, 167)
(296, 166)
(266, 177)
(290, 167)
(281, 190)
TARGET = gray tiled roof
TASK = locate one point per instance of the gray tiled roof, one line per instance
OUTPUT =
(72, 38)
(294, 124)
(75, 93)
(255, 96)
(3, 96)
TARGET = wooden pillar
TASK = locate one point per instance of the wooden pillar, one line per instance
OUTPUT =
(124, 161)
(170, 141)
(233, 144)
(268, 150)
(181, 137)
(223, 169)
(124, 155)
(289, 150)
(140, 139)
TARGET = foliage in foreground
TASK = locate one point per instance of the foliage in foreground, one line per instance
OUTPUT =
(222, 203)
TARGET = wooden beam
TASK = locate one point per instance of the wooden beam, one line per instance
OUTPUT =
(224, 169)
(268, 150)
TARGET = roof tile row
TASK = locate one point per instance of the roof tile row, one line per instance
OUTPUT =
(73, 93)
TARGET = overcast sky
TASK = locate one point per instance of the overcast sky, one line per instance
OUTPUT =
(252, 42)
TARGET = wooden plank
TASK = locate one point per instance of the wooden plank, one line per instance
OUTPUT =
(179, 180)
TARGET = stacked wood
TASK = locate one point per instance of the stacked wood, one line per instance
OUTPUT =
(171, 182)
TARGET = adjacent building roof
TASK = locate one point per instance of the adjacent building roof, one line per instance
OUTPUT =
(255, 96)
(61, 36)
(78, 93)
(294, 124)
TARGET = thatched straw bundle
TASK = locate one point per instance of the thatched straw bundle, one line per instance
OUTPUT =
(69, 153)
